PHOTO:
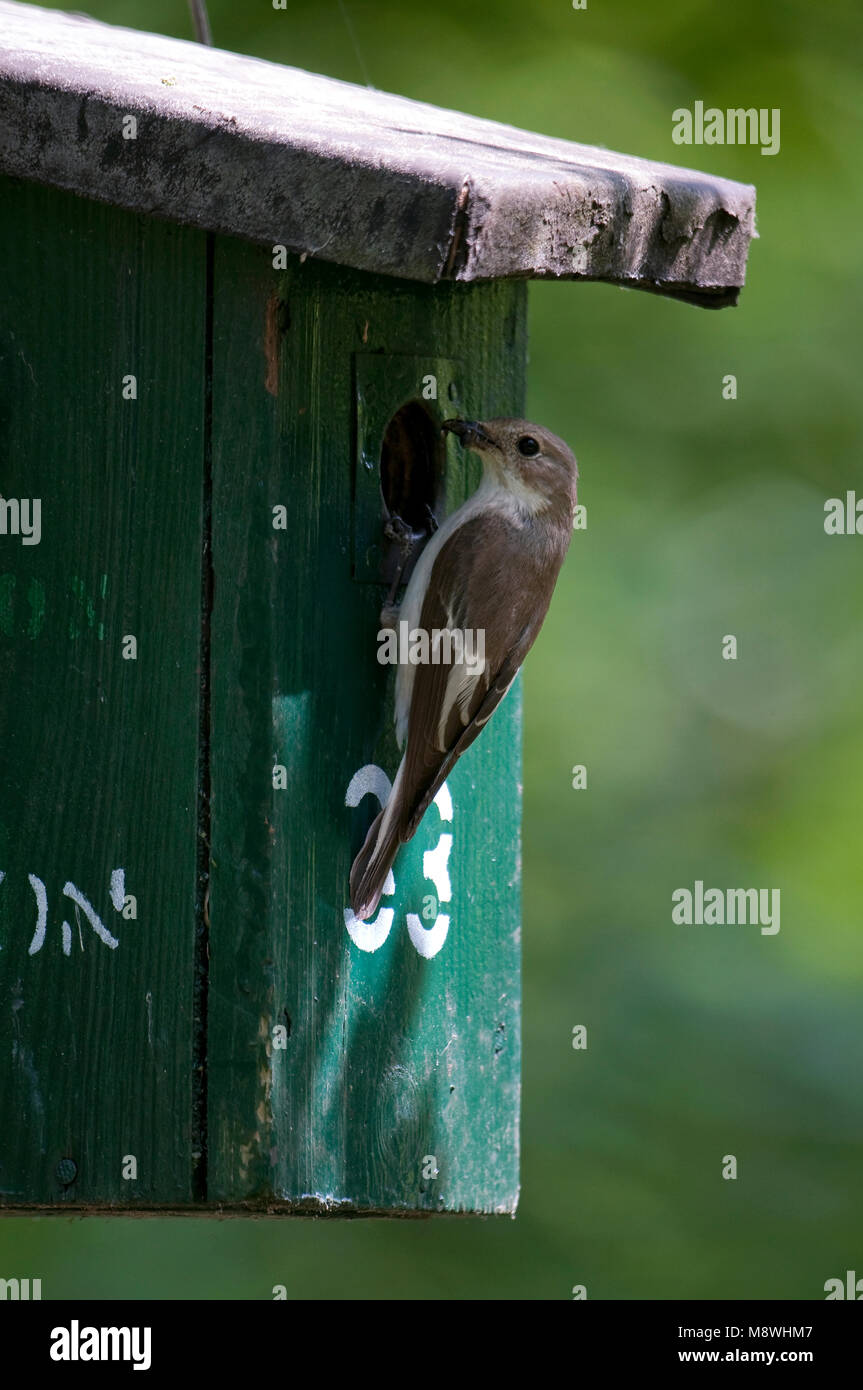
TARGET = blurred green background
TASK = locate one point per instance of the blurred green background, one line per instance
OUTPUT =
(705, 518)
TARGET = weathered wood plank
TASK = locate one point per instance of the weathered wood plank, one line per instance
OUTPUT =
(391, 1060)
(350, 175)
(98, 753)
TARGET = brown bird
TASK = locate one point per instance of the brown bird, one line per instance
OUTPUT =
(490, 571)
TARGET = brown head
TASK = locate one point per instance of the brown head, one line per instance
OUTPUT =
(534, 465)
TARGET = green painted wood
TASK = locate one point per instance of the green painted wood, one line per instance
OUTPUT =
(394, 1065)
(397, 1085)
(97, 753)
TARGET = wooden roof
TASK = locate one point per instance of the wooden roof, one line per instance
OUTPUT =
(348, 174)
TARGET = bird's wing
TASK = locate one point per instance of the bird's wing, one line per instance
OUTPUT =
(492, 699)
(470, 587)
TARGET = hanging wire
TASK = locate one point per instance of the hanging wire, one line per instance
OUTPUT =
(350, 28)
(201, 21)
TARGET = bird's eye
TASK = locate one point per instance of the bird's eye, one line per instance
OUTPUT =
(528, 446)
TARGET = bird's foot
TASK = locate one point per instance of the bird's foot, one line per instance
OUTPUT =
(390, 615)
(399, 532)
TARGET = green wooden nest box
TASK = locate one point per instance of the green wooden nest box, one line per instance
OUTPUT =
(238, 301)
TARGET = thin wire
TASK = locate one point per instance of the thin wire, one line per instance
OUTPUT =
(201, 21)
(353, 37)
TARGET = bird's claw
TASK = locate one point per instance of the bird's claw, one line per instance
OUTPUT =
(399, 532)
(389, 615)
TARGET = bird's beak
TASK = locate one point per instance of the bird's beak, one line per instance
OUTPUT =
(470, 433)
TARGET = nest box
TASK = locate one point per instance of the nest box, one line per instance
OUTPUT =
(238, 301)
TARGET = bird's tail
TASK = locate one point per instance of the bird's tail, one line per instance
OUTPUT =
(375, 859)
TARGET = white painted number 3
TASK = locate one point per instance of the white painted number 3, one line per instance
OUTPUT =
(370, 936)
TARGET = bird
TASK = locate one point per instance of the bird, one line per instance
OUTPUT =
(490, 568)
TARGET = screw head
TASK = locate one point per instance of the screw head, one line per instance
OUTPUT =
(66, 1171)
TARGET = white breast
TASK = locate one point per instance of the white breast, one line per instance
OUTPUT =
(491, 495)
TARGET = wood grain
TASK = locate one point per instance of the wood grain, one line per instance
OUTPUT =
(97, 753)
(390, 1058)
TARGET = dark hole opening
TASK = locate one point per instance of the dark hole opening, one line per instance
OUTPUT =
(412, 470)
(411, 466)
